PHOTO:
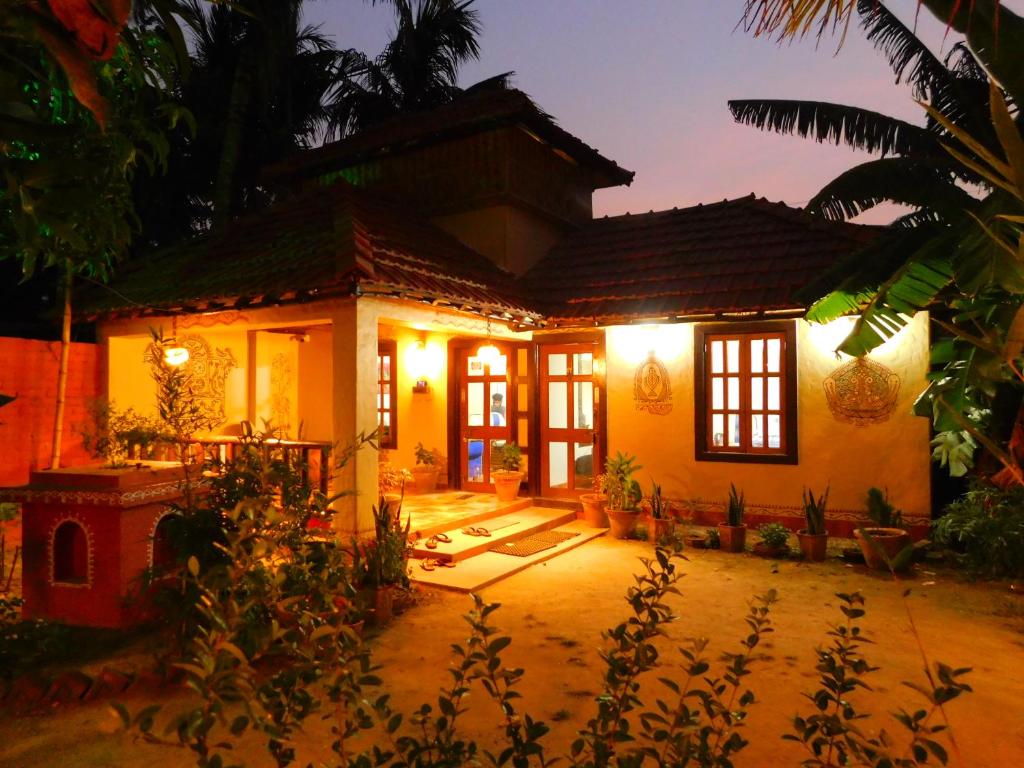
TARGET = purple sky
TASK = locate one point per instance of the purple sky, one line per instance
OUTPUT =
(646, 83)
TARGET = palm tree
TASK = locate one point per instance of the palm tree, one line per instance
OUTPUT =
(417, 70)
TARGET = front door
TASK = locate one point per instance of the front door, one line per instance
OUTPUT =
(569, 407)
(485, 415)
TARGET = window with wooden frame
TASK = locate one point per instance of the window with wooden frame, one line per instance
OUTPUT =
(745, 392)
(387, 400)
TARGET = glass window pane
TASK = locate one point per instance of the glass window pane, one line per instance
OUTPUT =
(387, 402)
(522, 398)
(734, 392)
(756, 393)
(756, 355)
(774, 355)
(716, 357)
(475, 461)
(522, 359)
(583, 364)
(757, 431)
(498, 404)
(385, 417)
(475, 366)
(499, 365)
(774, 431)
(475, 403)
(558, 402)
(734, 429)
(386, 368)
(558, 465)
(773, 393)
(732, 355)
(558, 365)
(717, 393)
(583, 466)
(718, 429)
(583, 399)
(496, 446)
(524, 433)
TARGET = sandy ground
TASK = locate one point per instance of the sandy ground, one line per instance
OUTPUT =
(555, 613)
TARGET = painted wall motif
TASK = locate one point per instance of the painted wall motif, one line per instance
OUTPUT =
(862, 392)
(652, 389)
(206, 373)
(281, 381)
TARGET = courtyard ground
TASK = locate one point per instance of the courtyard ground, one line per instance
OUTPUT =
(555, 613)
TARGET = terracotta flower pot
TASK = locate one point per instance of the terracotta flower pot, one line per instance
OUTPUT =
(379, 601)
(593, 509)
(813, 545)
(763, 550)
(622, 522)
(506, 484)
(660, 528)
(892, 541)
(733, 537)
(424, 478)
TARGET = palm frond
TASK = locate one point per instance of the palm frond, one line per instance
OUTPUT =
(930, 186)
(837, 124)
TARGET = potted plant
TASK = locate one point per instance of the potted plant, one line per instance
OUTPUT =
(623, 493)
(774, 540)
(814, 538)
(733, 533)
(882, 543)
(660, 523)
(508, 479)
(425, 472)
(391, 481)
(593, 505)
(380, 566)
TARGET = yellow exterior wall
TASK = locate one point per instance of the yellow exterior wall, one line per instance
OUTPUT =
(315, 408)
(894, 454)
(275, 382)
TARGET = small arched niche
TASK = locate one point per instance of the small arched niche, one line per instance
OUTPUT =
(70, 553)
(165, 553)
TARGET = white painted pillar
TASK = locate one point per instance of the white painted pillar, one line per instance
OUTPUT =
(355, 410)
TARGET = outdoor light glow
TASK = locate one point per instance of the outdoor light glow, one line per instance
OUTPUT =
(633, 343)
(424, 360)
(488, 353)
(828, 336)
(175, 356)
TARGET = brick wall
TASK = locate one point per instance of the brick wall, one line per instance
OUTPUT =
(28, 369)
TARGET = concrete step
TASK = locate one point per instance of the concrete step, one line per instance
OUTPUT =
(509, 526)
(458, 511)
(487, 568)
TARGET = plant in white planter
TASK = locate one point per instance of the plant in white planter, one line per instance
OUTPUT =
(508, 479)
(425, 471)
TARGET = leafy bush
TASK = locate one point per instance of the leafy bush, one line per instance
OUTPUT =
(987, 526)
(622, 489)
(774, 535)
(117, 436)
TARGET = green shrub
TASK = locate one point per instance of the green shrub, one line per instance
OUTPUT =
(987, 526)
(774, 535)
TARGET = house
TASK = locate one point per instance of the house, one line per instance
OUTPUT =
(442, 276)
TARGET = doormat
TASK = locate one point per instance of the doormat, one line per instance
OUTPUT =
(530, 545)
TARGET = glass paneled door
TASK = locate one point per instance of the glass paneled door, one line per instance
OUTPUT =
(485, 415)
(569, 409)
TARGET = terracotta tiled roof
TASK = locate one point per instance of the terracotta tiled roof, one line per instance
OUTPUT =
(332, 241)
(737, 256)
(474, 112)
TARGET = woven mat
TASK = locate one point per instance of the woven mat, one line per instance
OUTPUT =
(530, 545)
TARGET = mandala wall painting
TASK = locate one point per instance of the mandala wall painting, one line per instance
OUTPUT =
(206, 373)
(862, 392)
(652, 391)
(280, 391)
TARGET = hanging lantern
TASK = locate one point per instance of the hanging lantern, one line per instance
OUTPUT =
(488, 354)
(175, 355)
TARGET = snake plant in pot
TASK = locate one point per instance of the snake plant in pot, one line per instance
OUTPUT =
(884, 544)
(814, 538)
(733, 532)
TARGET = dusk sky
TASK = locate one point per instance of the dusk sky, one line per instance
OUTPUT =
(646, 83)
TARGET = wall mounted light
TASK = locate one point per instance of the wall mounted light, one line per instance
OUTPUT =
(423, 361)
(175, 355)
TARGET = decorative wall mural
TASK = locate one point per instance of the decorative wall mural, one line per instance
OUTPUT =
(206, 373)
(862, 392)
(652, 391)
(280, 391)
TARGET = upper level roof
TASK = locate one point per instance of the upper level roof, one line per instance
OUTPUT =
(326, 242)
(473, 112)
(734, 257)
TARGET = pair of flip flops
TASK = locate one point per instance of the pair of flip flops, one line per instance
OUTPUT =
(476, 531)
(429, 565)
(442, 538)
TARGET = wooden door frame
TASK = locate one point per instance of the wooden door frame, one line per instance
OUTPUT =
(600, 378)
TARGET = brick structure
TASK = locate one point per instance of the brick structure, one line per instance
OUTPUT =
(88, 534)
(28, 370)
